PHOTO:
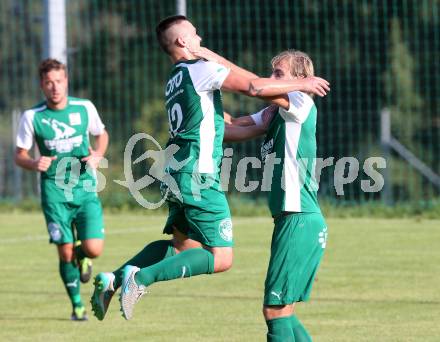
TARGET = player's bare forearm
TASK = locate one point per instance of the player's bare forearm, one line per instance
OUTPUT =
(264, 87)
(101, 143)
(281, 100)
(95, 155)
(239, 70)
(243, 121)
(268, 87)
(24, 160)
(209, 55)
(234, 133)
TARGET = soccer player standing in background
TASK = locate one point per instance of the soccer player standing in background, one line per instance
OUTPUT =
(199, 217)
(60, 126)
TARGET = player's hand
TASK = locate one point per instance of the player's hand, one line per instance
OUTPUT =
(93, 158)
(315, 85)
(207, 54)
(268, 115)
(43, 163)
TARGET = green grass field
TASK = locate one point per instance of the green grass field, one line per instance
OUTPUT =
(379, 282)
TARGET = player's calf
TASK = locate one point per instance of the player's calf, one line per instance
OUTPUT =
(223, 257)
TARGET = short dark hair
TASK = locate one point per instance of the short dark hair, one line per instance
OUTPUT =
(50, 64)
(164, 25)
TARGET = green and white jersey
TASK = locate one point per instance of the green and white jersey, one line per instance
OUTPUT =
(195, 113)
(62, 133)
(291, 137)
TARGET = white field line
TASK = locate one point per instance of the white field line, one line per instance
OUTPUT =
(28, 238)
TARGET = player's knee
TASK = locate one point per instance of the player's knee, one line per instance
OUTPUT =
(93, 249)
(276, 311)
(93, 252)
(65, 254)
(181, 243)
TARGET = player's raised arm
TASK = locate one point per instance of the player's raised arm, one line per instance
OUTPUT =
(267, 87)
(205, 53)
(242, 81)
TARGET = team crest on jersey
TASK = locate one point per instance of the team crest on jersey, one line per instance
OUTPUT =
(266, 148)
(54, 231)
(225, 229)
(75, 119)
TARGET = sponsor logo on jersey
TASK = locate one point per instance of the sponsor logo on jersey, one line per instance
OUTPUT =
(225, 229)
(54, 231)
(61, 130)
(266, 148)
(75, 119)
(174, 83)
(63, 141)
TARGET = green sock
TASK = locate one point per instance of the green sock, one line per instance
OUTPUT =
(151, 254)
(188, 263)
(301, 334)
(279, 330)
(79, 253)
(70, 276)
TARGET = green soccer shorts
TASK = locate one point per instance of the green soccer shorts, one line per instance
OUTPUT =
(298, 243)
(86, 217)
(201, 211)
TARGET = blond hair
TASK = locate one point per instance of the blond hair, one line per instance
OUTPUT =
(300, 63)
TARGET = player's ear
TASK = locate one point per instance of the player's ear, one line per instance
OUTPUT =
(180, 42)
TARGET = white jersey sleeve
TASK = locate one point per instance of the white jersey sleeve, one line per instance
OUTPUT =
(258, 117)
(299, 107)
(95, 127)
(25, 132)
(207, 76)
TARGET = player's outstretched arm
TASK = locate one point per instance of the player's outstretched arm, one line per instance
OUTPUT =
(268, 87)
(211, 56)
(234, 133)
(240, 121)
(248, 128)
(245, 82)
